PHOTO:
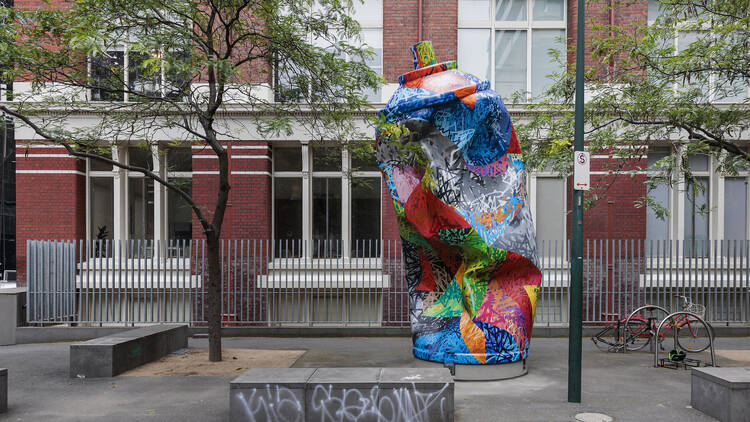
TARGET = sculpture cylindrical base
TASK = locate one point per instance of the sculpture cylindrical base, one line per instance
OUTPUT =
(491, 372)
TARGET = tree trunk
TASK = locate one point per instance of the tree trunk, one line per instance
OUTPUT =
(214, 298)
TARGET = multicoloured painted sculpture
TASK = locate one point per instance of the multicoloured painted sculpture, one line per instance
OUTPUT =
(467, 234)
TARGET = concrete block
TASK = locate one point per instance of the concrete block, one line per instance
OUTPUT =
(413, 394)
(342, 394)
(353, 392)
(723, 393)
(3, 390)
(116, 353)
(12, 313)
(269, 394)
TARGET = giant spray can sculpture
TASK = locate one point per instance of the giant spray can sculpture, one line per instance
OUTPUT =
(468, 240)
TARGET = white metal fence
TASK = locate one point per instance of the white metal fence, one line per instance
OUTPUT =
(328, 283)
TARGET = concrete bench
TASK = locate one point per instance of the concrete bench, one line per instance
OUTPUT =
(356, 394)
(723, 393)
(114, 354)
(3, 390)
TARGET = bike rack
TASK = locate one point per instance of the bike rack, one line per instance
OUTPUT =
(709, 329)
(643, 308)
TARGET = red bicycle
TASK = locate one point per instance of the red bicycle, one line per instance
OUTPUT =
(637, 332)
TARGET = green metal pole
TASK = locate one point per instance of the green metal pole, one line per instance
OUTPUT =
(576, 268)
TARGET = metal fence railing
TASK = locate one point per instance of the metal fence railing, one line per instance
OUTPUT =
(333, 283)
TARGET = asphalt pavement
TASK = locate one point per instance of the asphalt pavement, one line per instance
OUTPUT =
(624, 386)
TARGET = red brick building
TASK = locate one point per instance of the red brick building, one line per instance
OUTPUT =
(281, 189)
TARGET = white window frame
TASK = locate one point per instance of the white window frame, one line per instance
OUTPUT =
(716, 200)
(307, 174)
(126, 75)
(706, 28)
(121, 217)
(373, 24)
(720, 198)
(528, 25)
(532, 179)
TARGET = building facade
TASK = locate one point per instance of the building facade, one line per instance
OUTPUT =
(291, 190)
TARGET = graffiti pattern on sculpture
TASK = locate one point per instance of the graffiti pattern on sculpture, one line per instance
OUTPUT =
(468, 239)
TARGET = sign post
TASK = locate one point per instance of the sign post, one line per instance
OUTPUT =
(581, 171)
(576, 255)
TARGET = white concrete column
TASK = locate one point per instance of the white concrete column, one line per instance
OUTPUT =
(346, 205)
(120, 194)
(307, 199)
(716, 228)
(160, 196)
(677, 207)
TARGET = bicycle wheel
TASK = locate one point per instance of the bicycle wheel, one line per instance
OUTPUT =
(606, 339)
(692, 335)
(637, 335)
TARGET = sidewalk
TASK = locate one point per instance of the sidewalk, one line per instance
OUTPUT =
(626, 387)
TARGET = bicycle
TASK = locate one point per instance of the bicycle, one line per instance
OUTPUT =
(637, 332)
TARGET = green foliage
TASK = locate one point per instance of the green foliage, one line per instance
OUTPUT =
(229, 47)
(643, 91)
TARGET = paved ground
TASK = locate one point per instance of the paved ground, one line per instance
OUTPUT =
(623, 386)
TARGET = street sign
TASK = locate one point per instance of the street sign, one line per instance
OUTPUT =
(581, 171)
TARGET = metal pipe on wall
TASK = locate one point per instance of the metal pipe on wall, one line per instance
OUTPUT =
(419, 20)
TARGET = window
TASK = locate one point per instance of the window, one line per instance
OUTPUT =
(735, 208)
(107, 72)
(7, 194)
(550, 213)
(716, 88)
(127, 205)
(320, 208)
(101, 200)
(547, 199)
(511, 50)
(697, 204)
(714, 210)
(114, 70)
(179, 166)
(657, 229)
(293, 85)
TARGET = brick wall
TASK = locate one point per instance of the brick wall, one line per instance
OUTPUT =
(629, 221)
(50, 198)
(401, 30)
(621, 190)
(598, 13)
(248, 213)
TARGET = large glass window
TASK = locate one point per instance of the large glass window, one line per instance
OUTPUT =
(697, 205)
(716, 88)
(657, 229)
(735, 208)
(365, 216)
(287, 201)
(101, 207)
(511, 50)
(141, 207)
(118, 75)
(327, 209)
(550, 213)
(125, 207)
(107, 71)
(293, 85)
(326, 216)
